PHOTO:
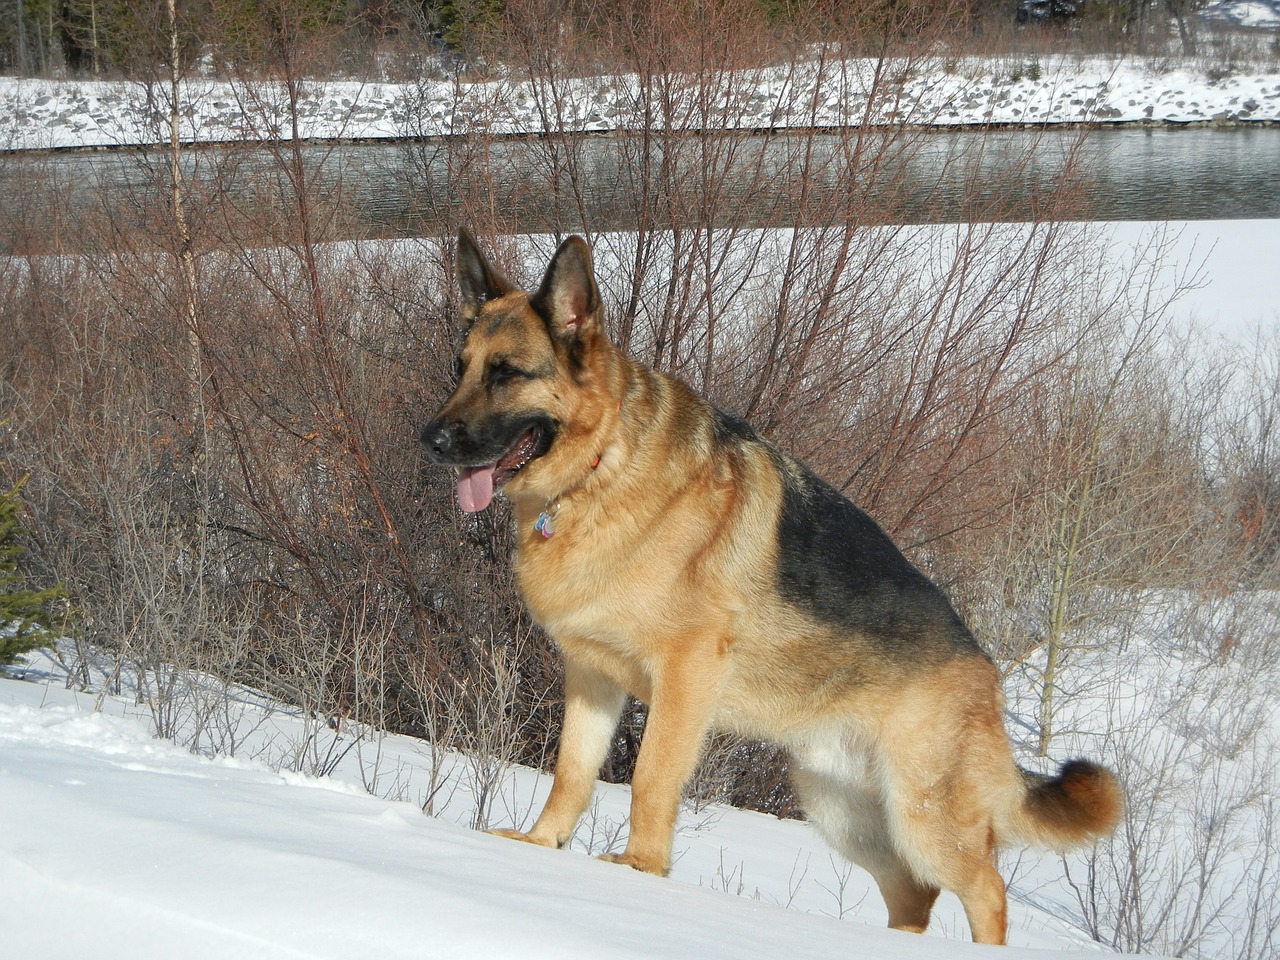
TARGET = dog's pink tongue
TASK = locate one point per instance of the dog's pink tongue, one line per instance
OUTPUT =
(475, 488)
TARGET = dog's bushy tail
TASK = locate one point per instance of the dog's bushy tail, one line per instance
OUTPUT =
(1082, 803)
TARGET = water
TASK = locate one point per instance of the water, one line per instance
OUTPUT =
(406, 189)
(1123, 173)
(1186, 173)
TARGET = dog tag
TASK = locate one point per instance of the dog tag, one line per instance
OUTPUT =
(546, 524)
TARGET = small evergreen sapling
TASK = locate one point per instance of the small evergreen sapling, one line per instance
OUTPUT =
(26, 615)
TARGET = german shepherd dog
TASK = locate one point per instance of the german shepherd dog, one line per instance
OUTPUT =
(673, 554)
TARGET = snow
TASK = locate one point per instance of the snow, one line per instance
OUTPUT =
(126, 846)
(938, 92)
(1235, 288)
(1245, 13)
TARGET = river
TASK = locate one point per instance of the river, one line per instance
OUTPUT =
(397, 188)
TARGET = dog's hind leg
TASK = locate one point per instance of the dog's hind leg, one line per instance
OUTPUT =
(943, 844)
(944, 831)
(845, 804)
(944, 774)
(910, 901)
(962, 860)
(985, 902)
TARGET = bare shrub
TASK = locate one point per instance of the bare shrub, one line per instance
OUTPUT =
(1190, 870)
(275, 378)
(1246, 461)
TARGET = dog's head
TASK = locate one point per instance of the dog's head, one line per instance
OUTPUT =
(520, 372)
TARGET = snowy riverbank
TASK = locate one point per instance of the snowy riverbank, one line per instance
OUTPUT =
(36, 114)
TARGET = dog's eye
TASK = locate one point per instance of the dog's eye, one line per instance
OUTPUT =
(500, 372)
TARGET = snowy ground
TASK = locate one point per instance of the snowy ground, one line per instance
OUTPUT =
(120, 845)
(1236, 293)
(952, 92)
(1264, 14)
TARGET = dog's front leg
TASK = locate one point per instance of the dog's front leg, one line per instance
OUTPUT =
(679, 714)
(592, 705)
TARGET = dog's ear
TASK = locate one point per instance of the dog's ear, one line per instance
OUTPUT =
(568, 299)
(477, 280)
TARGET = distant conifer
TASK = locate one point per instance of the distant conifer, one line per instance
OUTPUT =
(27, 617)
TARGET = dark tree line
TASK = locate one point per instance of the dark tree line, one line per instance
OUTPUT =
(113, 38)
(87, 38)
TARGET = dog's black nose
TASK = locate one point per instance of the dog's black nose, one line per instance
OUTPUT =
(439, 438)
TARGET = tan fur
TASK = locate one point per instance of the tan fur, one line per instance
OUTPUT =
(660, 581)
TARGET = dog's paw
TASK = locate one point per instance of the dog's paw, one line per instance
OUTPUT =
(513, 835)
(637, 862)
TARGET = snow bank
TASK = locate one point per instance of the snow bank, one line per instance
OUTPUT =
(953, 93)
(123, 846)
